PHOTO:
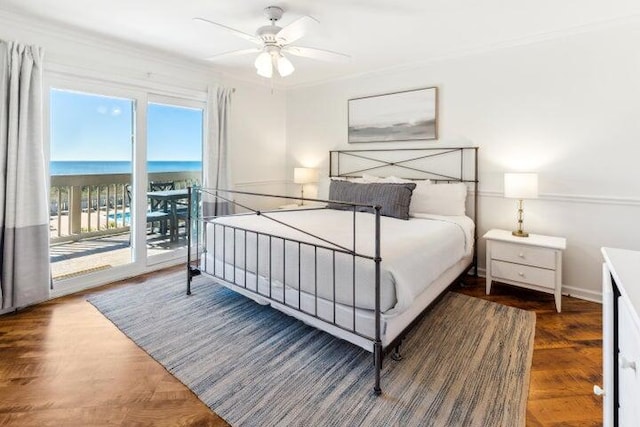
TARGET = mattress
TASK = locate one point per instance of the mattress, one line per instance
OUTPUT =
(414, 254)
(354, 325)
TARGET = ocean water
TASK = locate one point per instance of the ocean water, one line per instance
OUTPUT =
(113, 167)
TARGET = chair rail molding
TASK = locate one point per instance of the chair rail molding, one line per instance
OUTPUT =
(574, 198)
(260, 183)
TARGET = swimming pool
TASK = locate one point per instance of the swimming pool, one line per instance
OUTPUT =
(119, 217)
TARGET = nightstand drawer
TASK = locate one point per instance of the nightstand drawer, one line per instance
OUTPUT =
(521, 254)
(523, 273)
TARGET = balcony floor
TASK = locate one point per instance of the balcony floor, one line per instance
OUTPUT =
(74, 259)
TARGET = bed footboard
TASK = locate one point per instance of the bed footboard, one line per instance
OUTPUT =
(244, 260)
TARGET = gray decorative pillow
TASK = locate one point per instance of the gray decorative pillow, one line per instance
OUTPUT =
(393, 198)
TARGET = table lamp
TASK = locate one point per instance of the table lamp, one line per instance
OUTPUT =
(304, 176)
(520, 186)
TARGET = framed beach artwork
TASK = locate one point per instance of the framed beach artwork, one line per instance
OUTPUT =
(401, 116)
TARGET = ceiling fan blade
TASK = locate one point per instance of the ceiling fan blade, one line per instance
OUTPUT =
(234, 53)
(237, 33)
(296, 29)
(313, 53)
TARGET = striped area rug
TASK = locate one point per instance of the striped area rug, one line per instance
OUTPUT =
(466, 364)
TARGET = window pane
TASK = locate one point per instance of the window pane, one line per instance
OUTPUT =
(91, 128)
(174, 161)
(90, 168)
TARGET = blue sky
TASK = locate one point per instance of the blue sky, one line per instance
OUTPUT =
(90, 127)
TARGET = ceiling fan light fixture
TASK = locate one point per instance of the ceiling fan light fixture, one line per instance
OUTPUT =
(264, 65)
(262, 61)
(285, 67)
(266, 71)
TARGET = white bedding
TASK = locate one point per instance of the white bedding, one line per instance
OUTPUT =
(414, 253)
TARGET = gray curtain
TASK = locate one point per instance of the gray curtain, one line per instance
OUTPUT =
(24, 217)
(217, 174)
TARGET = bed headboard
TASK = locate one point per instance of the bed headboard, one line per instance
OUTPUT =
(451, 164)
(438, 164)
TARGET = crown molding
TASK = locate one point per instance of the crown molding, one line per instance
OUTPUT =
(254, 81)
(479, 50)
(51, 28)
(57, 30)
(59, 72)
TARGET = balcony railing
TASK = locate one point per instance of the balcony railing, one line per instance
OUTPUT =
(83, 206)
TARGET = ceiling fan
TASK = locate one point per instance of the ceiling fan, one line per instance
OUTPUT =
(274, 41)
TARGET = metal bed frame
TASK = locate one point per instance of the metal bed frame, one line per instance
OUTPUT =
(196, 223)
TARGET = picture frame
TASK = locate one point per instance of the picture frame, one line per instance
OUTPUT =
(410, 115)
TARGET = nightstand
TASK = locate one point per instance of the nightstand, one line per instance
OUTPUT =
(533, 262)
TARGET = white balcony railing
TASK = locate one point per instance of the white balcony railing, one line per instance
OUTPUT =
(83, 206)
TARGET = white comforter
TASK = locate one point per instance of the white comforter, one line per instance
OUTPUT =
(414, 253)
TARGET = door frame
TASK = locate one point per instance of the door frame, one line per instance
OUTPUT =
(140, 96)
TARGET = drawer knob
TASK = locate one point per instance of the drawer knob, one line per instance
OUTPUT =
(598, 391)
(627, 364)
(521, 255)
(521, 274)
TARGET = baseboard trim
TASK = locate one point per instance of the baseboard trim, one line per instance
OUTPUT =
(583, 294)
(569, 291)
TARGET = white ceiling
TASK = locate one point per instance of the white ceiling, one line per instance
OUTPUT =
(377, 34)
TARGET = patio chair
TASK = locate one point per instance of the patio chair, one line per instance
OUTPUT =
(161, 205)
(158, 215)
(160, 186)
(182, 207)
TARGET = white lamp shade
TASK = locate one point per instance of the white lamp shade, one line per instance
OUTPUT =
(521, 185)
(285, 67)
(264, 65)
(305, 175)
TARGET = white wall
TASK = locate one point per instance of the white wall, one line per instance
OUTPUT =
(566, 108)
(258, 114)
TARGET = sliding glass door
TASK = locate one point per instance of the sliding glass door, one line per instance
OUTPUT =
(91, 172)
(174, 162)
(120, 160)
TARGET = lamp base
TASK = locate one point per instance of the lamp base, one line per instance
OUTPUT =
(520, 233)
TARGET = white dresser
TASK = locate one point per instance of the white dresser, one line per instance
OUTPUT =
(621, 337)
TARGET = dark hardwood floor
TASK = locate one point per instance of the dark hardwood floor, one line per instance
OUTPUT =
(63, 364)
(567, 355)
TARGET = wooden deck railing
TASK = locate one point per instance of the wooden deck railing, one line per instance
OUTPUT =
(83, 206)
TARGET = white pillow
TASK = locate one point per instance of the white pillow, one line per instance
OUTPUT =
(325, 182)
(372, 178)
(391, 179)
(439, 199)
(397, 180)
